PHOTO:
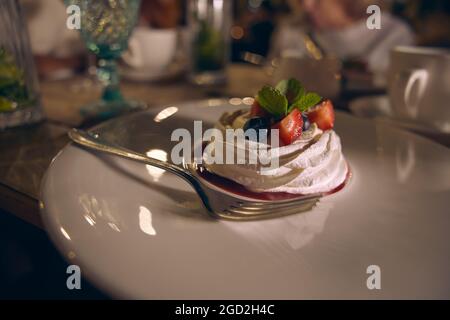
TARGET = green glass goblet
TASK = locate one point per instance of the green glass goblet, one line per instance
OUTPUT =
(106, 26)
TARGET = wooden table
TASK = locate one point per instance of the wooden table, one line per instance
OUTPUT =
(25, 153)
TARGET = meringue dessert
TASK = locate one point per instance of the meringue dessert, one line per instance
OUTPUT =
(308, 155)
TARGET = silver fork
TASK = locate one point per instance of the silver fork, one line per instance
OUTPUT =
(218, 204)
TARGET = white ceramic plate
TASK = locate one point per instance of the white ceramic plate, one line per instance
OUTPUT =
(137, 232)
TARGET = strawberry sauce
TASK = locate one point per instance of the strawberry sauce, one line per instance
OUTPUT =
(238, 189)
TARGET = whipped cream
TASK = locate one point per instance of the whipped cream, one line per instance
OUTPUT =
(314, 163)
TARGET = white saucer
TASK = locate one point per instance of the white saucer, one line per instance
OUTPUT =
(137, 232)
(148, 74)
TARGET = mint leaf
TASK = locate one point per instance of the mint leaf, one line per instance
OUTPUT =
(292, 89)
(282, 86)
(306, 101)
(273, 101)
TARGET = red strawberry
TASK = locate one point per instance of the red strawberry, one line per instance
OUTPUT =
(322, 115)
(258, 111)
(290, 127)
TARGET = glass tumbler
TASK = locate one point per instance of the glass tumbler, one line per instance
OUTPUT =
(19, 90)
(209, 23)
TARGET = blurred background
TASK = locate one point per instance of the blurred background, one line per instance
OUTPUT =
(261, 29)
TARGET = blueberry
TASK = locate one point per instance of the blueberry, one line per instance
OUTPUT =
(306, 123)
(257, 124)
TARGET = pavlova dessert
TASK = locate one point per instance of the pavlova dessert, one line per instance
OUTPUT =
(308, 151)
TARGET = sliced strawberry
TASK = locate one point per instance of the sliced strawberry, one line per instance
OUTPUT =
(290, 127)
(277, 126)
(322, 115)
(258, 111)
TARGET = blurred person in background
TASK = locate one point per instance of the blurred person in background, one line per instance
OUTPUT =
(161, 14)
(338, 28)
(59, 51)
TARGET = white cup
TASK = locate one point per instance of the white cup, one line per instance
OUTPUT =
(419, 86)
(151, 49)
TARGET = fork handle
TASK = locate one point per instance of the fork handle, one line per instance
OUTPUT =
(93, 141)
